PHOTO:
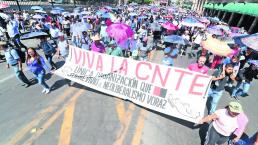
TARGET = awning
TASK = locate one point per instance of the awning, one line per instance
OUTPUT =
(242, 8)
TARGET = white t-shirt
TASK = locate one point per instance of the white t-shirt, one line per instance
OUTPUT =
(54, 32)
(63, 47)
(225, 124)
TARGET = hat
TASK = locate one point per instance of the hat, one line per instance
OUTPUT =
(3, 43)
(95, 37)
(235, 107)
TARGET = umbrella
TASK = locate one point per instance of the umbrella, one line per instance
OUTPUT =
(65, 13)
(36, 8)
(235, 29)
(255, 62)
(143, 17)
(33, 35)
(108, 7)
(40, 11)
(109, 15)
(100, 12)
(55, 12)
(162, 21)
(176, 39)
(214, 19)
(88, 17)
(224, 27)
(169, 17)
(4, 5)
(215, 31)
(85, 13)
(216, 46)
(37, 17)
(235, 34)
(251, 41)
(58, 8)
(120, 32)
(237, 39)
(132, 14)
(169, 26)
(191, 22)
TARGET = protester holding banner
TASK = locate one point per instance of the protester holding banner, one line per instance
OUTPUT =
(200, 66)
(96, 45)
(63, 46)
(37, 65)
(114, 50)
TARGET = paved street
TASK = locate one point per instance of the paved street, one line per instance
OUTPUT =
(77, 115)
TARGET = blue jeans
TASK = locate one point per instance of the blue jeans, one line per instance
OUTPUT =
(240, 142)
(49, 58)
(241, 89)
(20, 75)
(216, 95)
(41, 79)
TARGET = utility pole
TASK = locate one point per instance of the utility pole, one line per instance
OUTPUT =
(52, 3)
(19, 7)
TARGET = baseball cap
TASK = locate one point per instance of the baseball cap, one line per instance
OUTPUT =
(235, 107)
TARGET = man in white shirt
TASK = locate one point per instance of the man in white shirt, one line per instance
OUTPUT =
(54, 32)
(13, 31)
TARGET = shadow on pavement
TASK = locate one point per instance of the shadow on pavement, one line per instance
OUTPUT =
(60, 83)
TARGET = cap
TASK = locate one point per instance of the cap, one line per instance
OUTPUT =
(235, 107)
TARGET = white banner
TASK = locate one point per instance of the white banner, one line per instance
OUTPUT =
(170, 90)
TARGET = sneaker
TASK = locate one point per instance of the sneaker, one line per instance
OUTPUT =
(237, 98)
(27, 85)
(47, 91)
(44, 91)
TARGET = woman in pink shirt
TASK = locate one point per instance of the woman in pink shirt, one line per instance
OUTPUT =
(200, 66)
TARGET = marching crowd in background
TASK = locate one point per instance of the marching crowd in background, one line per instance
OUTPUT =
(175, 31)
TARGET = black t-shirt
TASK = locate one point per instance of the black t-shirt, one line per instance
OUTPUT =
(156, 34)
(219, 84)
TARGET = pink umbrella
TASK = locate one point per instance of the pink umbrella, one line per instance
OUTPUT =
(169, 26)
(235, 29)
(4, 5)
(120, 32)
